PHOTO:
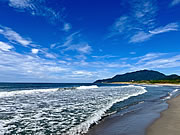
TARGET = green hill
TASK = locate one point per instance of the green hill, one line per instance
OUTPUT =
(142, 75)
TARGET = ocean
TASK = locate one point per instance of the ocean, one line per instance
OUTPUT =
(74, 108)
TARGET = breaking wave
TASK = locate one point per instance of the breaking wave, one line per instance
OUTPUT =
(83, 127)
(23, 92)
(65, 112)
(87, 87)
(34, 91)
(170, 94)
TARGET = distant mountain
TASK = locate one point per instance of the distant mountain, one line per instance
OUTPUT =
(139, 76)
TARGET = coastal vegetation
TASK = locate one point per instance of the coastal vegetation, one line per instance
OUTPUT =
(143, 76)
(173, 81)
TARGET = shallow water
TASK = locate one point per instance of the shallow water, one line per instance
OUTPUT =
(134, 119)
(69, 108)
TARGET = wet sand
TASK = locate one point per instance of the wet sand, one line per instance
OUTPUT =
(133, 123)
(169, 122)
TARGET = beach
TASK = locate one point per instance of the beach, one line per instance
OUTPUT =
(72, 108)
(160, 84)
(169, 122)
(154, 118)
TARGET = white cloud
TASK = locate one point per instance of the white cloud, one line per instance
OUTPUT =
(175, 2)
(81, 57)
(38, 8)
(62, 62)
(5, 46)
(55, 68)
(69, 40)
(167, 28)
(53, 45)
(104, 56)
(132, 53)
(139, 24)
(67, 27)
(81, 48)
(149, 56)
(35, 51)
(29, 66)
(75, 42)
(14, 36)
(49, 55)
(20, 3)
(84, 48)
(156, 61)
(141, 15)
(142, 36)
(120, 23)
(165, 62)
(83, 73)
(117, 65)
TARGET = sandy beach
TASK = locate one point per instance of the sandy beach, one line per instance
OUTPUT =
(160, 84)
(155, 118)
(169, 122)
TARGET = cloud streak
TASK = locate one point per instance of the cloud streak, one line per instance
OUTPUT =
(167, 28)
(140, 37)
(28, 66)
(73, 42)
(37, 8)
(156, 61)
(141, 15)
(175, 2)
(139, 24)
(38, 63)
(67, 27)
(5, 47)
(40, 8)
(21, 4)
(82, 48)
(14, 36)
(143, 36)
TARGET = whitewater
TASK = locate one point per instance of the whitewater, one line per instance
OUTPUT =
(57, 111)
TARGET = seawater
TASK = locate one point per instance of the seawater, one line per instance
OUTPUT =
(67, 109)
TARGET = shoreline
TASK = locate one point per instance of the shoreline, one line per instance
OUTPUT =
(160, 84)
(153, 112)
(169, 120)
(139, 120)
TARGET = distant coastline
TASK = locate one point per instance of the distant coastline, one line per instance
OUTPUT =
(142, 77)
(143, 83)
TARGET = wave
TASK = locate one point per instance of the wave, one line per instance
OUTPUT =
(175, 90)
(84, 126)
(87, 87)
(73, 111)
(22, 92)
(170, 94)
(152, 85)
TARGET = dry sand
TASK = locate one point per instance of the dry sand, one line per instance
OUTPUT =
(169, 122)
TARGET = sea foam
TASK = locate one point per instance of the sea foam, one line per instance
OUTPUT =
(170, 94)
(87, 87)
(83, 127)
(23, 92)
(65, 112)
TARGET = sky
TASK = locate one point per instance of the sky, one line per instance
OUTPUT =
(70, 41)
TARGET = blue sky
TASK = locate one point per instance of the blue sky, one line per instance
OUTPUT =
(85, 40)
